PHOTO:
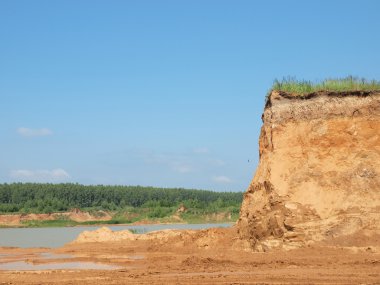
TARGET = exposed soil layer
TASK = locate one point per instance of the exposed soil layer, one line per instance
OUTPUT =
(75, 215)
(295, 96)
(318, 177)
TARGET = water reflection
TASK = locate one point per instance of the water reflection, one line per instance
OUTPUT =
(32, 261)
(23, 265)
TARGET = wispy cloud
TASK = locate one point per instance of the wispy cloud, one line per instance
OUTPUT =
(28, 132)
(168, 162)
(54, 175)
(201, 150)
(182, 168)
(177, 162)
(216, 162)
(222, 179)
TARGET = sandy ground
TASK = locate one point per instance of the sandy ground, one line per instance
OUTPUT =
(149, 262)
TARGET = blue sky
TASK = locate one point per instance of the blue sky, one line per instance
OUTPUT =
(161, 93)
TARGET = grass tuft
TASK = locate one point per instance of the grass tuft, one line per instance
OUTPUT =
(346, 84)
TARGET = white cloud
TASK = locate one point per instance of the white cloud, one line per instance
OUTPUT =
(54, 175)
(222, 179)
(27, 132)
(201, 150)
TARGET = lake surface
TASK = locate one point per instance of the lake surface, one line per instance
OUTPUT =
(56, 237)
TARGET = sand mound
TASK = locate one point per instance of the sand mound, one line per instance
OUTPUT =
(164, 239)
(104, 234)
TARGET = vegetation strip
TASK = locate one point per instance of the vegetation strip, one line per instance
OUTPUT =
(303, 87)
(126, 204)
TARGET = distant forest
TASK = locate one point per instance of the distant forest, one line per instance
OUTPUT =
(47, 198)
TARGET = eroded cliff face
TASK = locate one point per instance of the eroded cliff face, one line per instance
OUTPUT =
(318, 177)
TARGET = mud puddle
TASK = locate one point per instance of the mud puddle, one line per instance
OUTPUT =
(49, 255)
(23, 265)
(136, 257)
(50, 261)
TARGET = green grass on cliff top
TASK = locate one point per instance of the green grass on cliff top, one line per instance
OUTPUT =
(302, 87)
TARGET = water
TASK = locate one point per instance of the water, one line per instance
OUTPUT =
(56, 261)
(57, 237)
(23, 265)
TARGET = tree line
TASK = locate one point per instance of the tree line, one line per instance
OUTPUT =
(46, 198)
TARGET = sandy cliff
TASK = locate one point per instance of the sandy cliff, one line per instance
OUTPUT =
(318, 177)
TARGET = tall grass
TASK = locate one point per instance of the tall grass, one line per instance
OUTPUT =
(302, 87)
